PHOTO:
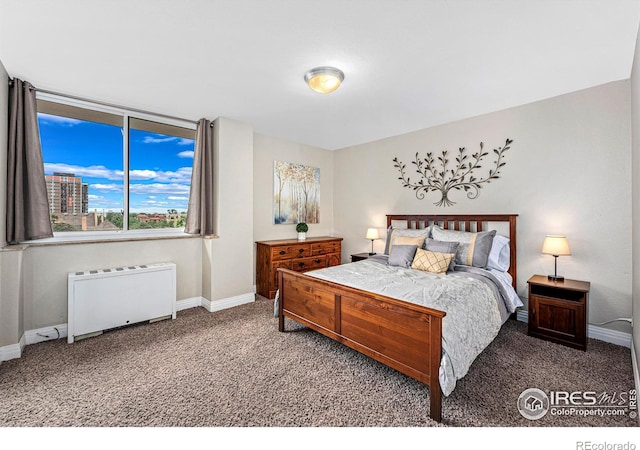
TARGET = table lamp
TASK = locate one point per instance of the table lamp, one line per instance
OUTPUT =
(557, 246)
(372, 233)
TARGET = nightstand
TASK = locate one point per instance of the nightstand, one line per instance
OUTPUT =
(558, 310)
(359, 256)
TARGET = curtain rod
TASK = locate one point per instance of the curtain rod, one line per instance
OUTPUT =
(111, 105)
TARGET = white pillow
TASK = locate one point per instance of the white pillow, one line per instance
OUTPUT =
(500, 255)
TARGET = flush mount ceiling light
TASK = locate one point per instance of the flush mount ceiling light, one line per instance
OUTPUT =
(324, 79)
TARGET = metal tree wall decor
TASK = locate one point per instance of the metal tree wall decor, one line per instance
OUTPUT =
(436, 174)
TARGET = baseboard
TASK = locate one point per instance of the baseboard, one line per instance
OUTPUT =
(187, 303)
(45, 334)
(10, 352)
(229, 302)
(216, 305)
(595, 332)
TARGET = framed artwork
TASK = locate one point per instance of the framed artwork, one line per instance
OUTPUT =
(296, 193)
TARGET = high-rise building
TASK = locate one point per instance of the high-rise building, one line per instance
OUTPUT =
(67, 194)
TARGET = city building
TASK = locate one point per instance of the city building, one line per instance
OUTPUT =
(67, 194)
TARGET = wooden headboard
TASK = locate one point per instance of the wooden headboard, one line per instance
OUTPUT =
(465, 222)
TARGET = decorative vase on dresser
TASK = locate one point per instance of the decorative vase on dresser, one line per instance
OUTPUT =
(310, 254)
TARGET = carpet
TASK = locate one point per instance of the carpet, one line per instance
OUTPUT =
(233, 368)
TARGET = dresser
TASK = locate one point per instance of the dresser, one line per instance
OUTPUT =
(310, 254)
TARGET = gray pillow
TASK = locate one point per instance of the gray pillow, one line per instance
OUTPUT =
(443, 247)
(474, 248)
(402, 255)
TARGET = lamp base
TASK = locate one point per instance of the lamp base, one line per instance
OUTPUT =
(555, 277)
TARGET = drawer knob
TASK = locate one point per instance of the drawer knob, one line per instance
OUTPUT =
(282, 252)
(318, 261)
(301, 264)
(301, 250)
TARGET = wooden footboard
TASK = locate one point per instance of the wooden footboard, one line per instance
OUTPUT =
(401, 335)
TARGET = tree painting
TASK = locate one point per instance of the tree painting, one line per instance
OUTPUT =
(296, 193)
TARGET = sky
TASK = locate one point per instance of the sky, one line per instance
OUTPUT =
(160, 165)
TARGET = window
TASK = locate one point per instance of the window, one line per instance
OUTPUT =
(108, 169)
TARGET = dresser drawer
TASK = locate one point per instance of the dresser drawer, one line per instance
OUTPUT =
(323, 248)
(304, 264)
(290, 251)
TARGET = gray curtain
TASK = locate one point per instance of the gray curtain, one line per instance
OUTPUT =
(200, 212)
(27, 203)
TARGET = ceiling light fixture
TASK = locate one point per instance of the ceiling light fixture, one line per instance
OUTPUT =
(324, 79)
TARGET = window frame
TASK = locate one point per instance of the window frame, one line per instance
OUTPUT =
(125, 233)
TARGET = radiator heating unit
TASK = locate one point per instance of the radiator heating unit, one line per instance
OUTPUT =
(104, 299)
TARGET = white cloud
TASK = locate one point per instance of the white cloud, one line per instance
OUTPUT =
(186, 154)
(142, 174)
(85, 172)
(158, 140)
(57, 120)
(106, 187)
(182, 175)
(174, 197)
(159, 188)
(184, 141)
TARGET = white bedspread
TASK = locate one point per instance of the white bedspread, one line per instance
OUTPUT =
(473, 317)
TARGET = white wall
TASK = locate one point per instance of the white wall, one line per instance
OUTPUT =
(568, 172)
(269, 149)
(635, 114)
(227, 261)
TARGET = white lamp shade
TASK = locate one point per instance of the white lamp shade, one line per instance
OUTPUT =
(372, 233)
(556, 245)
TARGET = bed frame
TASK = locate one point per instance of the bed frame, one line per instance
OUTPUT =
(399, 334)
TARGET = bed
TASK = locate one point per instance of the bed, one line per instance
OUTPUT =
(416, 321)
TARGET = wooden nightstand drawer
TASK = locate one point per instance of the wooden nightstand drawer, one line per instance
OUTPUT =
(557, 318)
(558, 311)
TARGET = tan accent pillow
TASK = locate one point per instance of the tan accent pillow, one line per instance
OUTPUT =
(409, 240)
(432, 261)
